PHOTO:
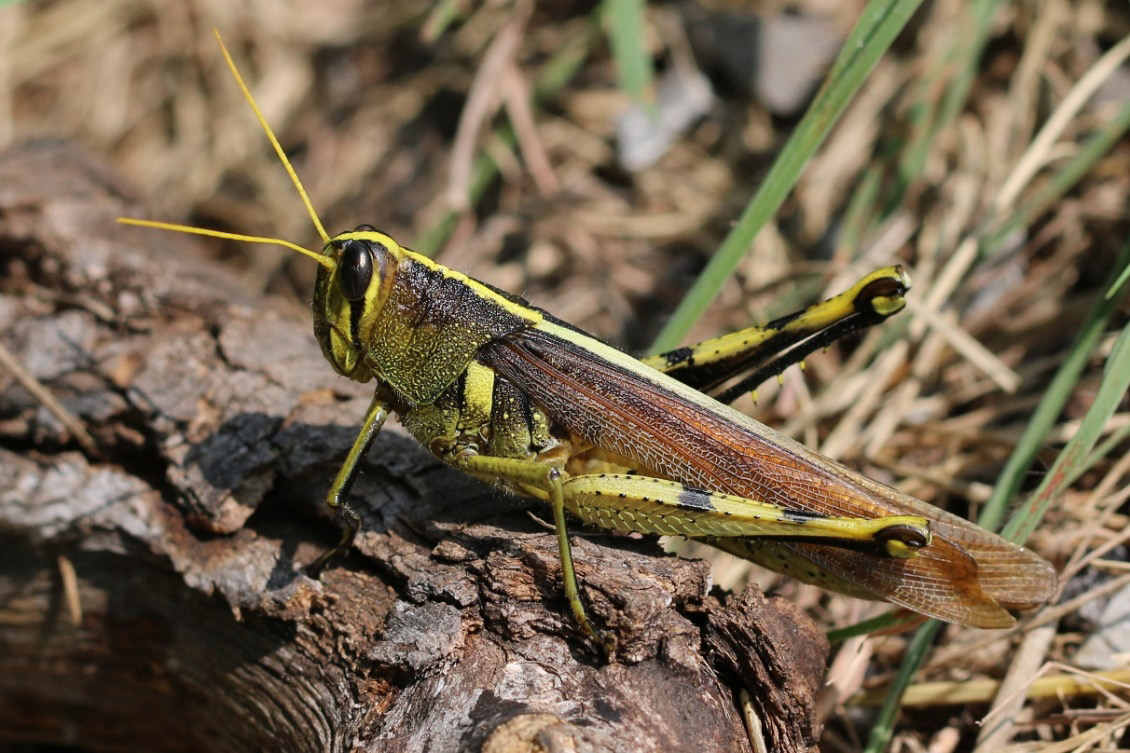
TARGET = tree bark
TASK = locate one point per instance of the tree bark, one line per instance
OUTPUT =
(153, 596)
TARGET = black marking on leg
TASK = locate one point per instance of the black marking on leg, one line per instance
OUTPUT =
(783, 321)
(801, 516)
(679, 355)
(691, 498)
(883, 287)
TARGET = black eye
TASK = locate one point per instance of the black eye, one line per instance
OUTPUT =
(355, 270)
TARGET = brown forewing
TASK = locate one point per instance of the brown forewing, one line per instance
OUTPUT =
(637, 413)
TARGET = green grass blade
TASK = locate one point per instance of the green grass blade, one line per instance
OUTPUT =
(442, 16)
(1075, 168)
(930, 115)
(1009, 481)
(1056, 396)
(1115, 439)
(1116, 380)
(625, 22)
(888, 714)
(1122, 278)
(877, 28)
(883, 621)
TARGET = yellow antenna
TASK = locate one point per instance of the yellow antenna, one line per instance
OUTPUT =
(325, 261)
(274, 142)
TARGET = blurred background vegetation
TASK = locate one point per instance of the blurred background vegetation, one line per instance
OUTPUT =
(595, 158)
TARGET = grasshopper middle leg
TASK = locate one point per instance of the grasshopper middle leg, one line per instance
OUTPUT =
(550, 481)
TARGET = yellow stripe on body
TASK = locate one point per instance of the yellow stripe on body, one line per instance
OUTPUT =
(528, 313)
(478, 397)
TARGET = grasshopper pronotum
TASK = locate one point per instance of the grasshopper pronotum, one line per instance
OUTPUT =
(507, 393)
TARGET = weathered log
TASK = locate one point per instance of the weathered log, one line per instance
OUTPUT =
(153, 596)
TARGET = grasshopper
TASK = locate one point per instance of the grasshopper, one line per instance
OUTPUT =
(507, 393)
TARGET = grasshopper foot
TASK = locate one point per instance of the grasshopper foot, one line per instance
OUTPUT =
(351, 522)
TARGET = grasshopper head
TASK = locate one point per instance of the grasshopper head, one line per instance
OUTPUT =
(349, 295)
(356, 269)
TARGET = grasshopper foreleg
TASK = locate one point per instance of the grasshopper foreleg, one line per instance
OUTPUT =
(335, 498)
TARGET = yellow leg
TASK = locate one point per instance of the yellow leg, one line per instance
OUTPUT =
(335, 498)
(709, 364)
(668, 508)
(652, 505)
(549, 480)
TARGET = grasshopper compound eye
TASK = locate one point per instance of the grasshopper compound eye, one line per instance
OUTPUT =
(355, 270)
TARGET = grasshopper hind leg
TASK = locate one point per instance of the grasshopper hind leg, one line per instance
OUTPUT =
(757, 353)
(343, 482)
(647, 504)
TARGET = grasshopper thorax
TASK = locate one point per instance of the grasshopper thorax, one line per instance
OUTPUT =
(350, 294)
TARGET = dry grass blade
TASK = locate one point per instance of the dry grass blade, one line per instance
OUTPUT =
(27, 380)
(1066, 685)
(1039, 151)
(483, 98)
(997, 727)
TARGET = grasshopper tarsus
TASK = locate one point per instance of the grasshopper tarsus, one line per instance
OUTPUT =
(605, 640)
(550, 481)
(343, 482)
(351, 523)
(608, 643)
